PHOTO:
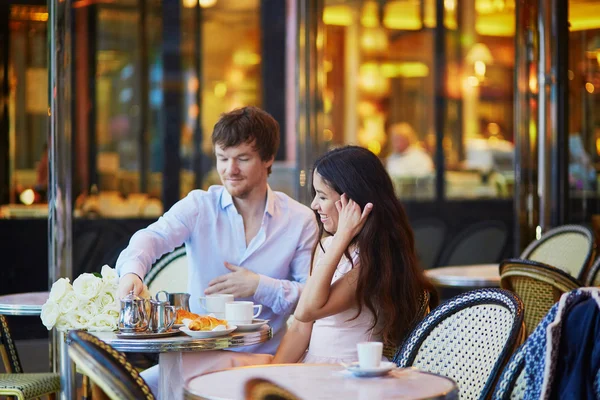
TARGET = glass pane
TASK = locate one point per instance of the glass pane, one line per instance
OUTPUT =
(479, 135)
(28, 112)
(584, 103)
(389, 108)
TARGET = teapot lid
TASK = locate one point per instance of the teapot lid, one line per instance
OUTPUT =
(131, 297)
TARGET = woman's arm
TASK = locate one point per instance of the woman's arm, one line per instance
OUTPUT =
(294, 343)
(320, 298)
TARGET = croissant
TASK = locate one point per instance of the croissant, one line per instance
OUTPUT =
(182, 314)
(206, 323)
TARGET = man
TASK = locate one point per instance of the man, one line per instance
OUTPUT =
(407, 158)
(241, 238)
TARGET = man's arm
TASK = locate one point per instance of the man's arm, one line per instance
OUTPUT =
(282, 295)
(147, 245)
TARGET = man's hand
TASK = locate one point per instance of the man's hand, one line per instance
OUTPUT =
(239, 282)
(129, 282)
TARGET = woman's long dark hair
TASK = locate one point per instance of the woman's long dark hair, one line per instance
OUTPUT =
(390, 281)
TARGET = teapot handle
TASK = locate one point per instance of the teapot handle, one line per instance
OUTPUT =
(172, 315)
(166, 295)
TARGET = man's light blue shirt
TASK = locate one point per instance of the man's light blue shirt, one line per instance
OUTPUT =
(212, 230)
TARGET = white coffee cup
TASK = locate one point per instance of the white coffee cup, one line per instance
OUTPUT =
(241, 312)
(215, 303)
(369, 354)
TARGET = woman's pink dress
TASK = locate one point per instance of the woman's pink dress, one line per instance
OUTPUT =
(334, 338)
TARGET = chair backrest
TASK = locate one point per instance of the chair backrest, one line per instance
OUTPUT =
(430, 235)
(480, 243)
(592, 278)
(468, 338)
(263, 389)
(390, 350)
(8, 350)
(568, 247)
(107, 368)
(170, 273)
(511, 385)
(538, 285)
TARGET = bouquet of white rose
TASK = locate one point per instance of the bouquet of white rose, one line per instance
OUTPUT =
(90, 303)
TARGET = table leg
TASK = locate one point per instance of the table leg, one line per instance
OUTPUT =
(68, 390)
(170, 384)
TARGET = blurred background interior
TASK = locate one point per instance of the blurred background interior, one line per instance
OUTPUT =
(450, 88)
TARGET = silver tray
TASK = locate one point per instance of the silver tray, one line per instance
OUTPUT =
(146, 335)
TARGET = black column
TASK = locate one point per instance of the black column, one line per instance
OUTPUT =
(173, 107)
(198, 134)
(4, 92)
(439, 90)
(272, 27)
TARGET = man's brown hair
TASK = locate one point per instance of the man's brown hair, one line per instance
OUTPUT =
(248, 125)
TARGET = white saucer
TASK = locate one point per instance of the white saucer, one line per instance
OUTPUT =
(254, 326)
(208, 334)
(384, 368)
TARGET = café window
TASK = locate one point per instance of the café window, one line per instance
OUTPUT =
(379, 92)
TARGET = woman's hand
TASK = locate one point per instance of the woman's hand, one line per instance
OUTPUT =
(351, 218)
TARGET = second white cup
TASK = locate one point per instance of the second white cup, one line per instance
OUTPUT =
(215, 304)
(369, 354)
(241, 312)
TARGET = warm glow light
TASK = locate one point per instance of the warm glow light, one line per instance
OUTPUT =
(405, 70)
(193, 111)
(598, 146)
(245, 58)
(450, 5)
(533, 84)
(370, 17)
(375, 147)
(207, 3)
(479, 67)
(372, 81)
(570, 74)
(589, 87)
(189, 3)
(374, 40)
(366, 108)
(27, 197)
(236, 76)
(339, 15)
(472, 81)
(221, 89)
(328, 135)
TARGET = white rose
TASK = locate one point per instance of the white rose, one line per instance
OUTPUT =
(104, 301)
(87, 286)
(69, 303)
(79, 319)
(50, 314)
(89, 309)
(102, 323)
(64, 323)
(109, 275)
(59, 289)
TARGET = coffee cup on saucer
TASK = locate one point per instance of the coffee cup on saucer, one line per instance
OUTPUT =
(215, 304)
(369, 354)
(241, 312)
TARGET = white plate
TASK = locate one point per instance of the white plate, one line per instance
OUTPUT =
(254, 326)
(208, 334)
(384, 368)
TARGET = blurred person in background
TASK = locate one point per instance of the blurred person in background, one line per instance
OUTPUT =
(408, 158)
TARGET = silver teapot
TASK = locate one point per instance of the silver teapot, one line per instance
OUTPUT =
(133, 316)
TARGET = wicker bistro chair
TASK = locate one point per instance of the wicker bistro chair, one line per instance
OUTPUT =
(538, 285)
(390, 350)
(170, 273)
(263, 389)
(569, 247)
(469, 338)
(15, 382)
(107, 368)
(512, 385)
(593, 276)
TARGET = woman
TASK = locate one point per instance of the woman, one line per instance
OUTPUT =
(365, 283)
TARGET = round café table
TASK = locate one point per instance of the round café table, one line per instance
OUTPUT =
(465, 276)
(25, 304)
(170, 351)
(323, 381)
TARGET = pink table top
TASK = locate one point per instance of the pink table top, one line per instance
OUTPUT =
(23, 303)
(466, 276)
(323, 381)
